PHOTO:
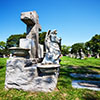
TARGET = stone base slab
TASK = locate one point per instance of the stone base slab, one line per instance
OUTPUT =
(92, 85)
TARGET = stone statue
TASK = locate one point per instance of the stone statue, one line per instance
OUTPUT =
(52, 48)
(24, 70)
(31, 19)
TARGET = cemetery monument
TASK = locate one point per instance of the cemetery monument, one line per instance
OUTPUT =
(25, 68)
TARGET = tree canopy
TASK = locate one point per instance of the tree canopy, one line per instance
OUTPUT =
(65, 49)
(13, 40)
(94, 44)
(42, 37)
(2, 45)
(77, 47)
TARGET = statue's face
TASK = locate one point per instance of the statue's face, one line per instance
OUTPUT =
(29, 18)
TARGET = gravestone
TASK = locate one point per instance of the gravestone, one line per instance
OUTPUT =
(24, 69)
(97, 55)
(89, 55)
(82, 55)
(77, 55)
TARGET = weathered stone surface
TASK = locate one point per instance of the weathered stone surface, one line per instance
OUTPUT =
(31, 19)
(29, 44)
(26, 43)
(40, 51)
(49, 69)
(22, 74)
(24, 71)
(20, 52)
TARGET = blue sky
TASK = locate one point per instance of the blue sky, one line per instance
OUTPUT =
(76, 20)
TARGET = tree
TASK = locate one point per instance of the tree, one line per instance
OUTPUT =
(13, 40)
(77, 47)
(65, 49)
(2, 45)
(3, 49)
(94, 44)
(42, 37)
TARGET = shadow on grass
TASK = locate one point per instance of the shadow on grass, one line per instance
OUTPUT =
(65, 80)
(90, 96)
(83, 69)
(1, 67)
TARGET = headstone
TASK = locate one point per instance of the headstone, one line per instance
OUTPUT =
(4, 56)
(27, 72)
(70, 55)
(82, 55)
(10, 56)
(89, 55)
(97, 55)
(77, 55)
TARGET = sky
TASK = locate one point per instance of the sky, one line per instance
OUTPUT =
(76, 21)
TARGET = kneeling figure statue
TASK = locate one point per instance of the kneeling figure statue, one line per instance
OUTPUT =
(52, 46)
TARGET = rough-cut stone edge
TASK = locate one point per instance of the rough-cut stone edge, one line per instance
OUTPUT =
(49, 88)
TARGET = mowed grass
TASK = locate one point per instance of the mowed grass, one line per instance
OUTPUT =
(64, 90)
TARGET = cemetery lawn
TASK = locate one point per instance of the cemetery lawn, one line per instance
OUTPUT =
(64, 90)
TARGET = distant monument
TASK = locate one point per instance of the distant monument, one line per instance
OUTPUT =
(82, 55)
(24, 68)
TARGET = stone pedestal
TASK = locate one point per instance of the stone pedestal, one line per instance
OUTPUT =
(22, 74)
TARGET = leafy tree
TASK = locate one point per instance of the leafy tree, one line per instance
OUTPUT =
(65, 49)
(42, 37)
(2, 45)
(13, 40)
(94, 44)
(77, 47)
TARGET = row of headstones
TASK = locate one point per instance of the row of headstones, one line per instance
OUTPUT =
(82, 55)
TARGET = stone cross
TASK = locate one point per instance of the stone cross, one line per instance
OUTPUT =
(31, 19)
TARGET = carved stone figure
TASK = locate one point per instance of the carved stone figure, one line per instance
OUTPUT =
(31, 19)
(52, 48)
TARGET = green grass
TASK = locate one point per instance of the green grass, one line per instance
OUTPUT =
(64, 90)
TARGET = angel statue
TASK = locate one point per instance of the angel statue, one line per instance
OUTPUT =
(52, 46)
